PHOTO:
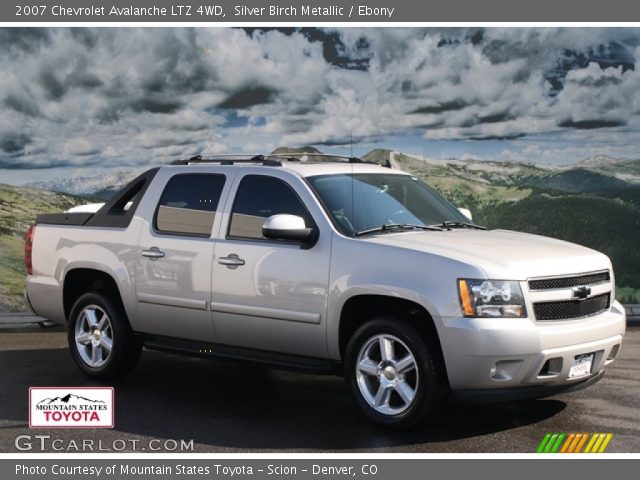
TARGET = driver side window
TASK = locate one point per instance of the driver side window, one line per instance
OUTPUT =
(259, 197)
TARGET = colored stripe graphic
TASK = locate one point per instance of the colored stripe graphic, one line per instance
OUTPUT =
(543, 443)
(550, 443)
(556, 445)
(568, 442)
(577, 441)
(605, 443)
(558, 442)
(581, 443)
(592, 440)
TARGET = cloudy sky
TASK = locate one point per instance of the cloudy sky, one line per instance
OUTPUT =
(107, 97)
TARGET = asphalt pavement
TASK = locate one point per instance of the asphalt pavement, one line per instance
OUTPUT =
(228, 407)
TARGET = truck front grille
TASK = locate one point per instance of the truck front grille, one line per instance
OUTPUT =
(555, 283)
(566, 310)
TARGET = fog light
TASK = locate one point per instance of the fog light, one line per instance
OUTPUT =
(551, 367)
(505, 370)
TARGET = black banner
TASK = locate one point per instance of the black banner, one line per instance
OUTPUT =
(316, 11)
(311, 469)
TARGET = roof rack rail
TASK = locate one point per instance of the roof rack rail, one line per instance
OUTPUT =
(228, 159)
(292, 157)
(271, 159)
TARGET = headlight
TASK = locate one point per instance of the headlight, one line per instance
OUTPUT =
(491, 298)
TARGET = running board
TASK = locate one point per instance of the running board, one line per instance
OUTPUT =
(284, 361)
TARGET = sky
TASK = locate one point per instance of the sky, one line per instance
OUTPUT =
(119, 98)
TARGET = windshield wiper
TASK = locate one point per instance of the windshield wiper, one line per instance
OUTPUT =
(449, 224)
(396, 227)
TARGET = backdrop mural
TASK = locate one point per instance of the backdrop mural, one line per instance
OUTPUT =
(534, 129)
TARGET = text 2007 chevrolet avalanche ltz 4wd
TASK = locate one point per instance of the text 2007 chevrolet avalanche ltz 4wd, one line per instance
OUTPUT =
(344, 267)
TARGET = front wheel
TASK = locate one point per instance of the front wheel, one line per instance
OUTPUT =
(100, 338)
(393, 374)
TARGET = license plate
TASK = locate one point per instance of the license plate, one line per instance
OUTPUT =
(581, 366)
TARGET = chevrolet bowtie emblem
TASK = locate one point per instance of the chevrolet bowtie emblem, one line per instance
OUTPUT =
(580, 293)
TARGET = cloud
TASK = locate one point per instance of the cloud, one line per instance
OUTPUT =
(591, 124)
(249, 97)
(155, 103)
(22, 102)
(14, 144)
(79, 146)
(440, 107)
(132, 96)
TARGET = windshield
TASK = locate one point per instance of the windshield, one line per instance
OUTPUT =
(364, 201)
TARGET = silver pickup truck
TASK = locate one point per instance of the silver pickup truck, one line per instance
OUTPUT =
(335, 266)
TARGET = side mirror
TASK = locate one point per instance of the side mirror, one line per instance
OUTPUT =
(466, 212)
(288, 227)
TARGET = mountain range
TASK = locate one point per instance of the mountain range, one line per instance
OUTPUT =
(595, 202)
(68, 399)
(590, 174)
(101, 186)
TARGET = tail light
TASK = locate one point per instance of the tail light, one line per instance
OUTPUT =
(28, 249)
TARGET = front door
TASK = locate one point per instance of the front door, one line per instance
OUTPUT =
(269, 295)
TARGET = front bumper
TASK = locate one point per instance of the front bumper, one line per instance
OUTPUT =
(508, 353)
(491, 395)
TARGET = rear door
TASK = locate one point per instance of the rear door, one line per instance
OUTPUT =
(176, 248)
(266, 294)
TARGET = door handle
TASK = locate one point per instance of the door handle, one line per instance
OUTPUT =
(153, 253)
(232, 261)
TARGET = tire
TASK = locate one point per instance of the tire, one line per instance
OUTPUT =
(401, 387)
(111, 352)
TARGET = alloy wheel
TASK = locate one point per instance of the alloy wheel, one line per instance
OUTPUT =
(387, 374)
(94, 336)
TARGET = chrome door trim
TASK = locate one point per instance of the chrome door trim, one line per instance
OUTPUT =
(276, 313)
(172, 301)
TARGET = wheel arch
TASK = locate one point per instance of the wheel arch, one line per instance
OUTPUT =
(360, 308)
(79, 281)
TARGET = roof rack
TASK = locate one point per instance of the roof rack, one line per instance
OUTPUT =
(271, 159)
(292, 157)
(228, 159)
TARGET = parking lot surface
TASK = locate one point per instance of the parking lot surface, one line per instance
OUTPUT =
(228, 407)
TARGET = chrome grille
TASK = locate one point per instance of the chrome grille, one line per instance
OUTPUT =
(566, 310)
(568, 282)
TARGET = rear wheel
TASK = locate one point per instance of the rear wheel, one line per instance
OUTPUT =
(100, 338)
(393, 374)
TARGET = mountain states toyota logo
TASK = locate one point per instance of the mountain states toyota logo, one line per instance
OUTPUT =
(71, 407)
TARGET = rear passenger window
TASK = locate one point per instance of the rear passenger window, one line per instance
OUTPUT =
(188, 204)
(258, 198)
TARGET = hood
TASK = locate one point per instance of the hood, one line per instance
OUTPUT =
(501, 254)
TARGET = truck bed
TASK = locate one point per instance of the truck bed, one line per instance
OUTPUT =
(117, 212)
